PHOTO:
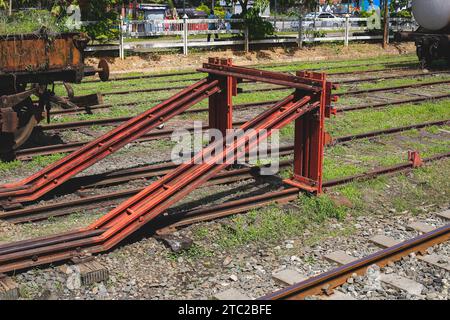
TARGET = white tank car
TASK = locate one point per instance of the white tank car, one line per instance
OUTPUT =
(433, 15)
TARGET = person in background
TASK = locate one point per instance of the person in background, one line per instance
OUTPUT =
(212, 26)
(227, 20)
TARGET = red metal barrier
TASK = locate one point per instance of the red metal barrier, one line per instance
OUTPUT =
(44, 181)
(309, 101)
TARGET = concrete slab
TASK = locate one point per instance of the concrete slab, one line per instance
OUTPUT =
(338, 295)
(384, 241)
(421, 227)
(402, 283)
(231, 294)
(9, 290)
(289, 277)
(436, 260)
(444, 214)
(340, 257)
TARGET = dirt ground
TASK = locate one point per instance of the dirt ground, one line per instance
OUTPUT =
(157, 62)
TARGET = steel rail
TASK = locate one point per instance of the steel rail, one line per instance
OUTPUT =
(56, 248)
(25, 154)
(188, 217)
(155, 199)
(47, 179)
(113, 121)
(332, 73)
(153, 171)
(326, 282)
(262, 66)
(247, 105)
(280, 86)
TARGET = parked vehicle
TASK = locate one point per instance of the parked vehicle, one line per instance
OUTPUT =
(313, 20)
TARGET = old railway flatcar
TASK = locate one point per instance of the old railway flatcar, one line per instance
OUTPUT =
(29, 66)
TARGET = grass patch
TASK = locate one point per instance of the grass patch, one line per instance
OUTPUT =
(273, 223)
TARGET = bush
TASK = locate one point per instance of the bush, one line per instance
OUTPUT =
(203, 7)
(402, 14)
(257, 27)
(107, 26)
(31, 21)
(102, 31)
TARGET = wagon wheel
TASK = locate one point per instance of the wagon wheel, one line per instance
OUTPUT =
(10, 142)
(424, 56)
(104, 67)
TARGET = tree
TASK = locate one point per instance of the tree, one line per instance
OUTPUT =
(400, 8)
(106, 19)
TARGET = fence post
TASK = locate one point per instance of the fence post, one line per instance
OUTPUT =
(121, 48)
(246, 40)
(347, 30)
(185, 35)
(300, 32)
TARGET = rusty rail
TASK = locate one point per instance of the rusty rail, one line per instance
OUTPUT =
(10, 254)
(153, 171)
(183, 73)
(327, 281)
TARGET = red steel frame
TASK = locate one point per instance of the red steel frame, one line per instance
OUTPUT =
(44, 181)
(309, 101)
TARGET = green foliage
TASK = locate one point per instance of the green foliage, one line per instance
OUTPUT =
(402, 14)
(258, 28)
(320, 208)
(203, 7)
(107, 26)
(367, 14)
(397, 10)
(31, 21)
(219, 12)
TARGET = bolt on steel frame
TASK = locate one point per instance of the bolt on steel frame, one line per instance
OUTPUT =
(308, 106)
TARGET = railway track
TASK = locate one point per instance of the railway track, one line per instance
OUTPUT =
(174, 74)
(44, 250)
(83, 184)
(278, 88)
(332, 73)
(324, 285)
(417, 98)
(26, 254)
(28, 153)
(265, 103)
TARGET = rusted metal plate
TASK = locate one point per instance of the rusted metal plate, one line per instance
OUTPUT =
(35, 53)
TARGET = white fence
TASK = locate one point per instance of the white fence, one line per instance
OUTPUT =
(185, 33)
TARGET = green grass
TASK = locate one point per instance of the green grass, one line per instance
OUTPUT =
(36, 162)
(366, 120)
(272, 223)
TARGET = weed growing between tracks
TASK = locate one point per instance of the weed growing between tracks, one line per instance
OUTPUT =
(37, 162)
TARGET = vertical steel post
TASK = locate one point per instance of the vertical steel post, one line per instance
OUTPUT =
(121, 48)
(310, 140)
(347, 30)
(386, 25)
(300, 31)
(185, 35)
(221, 103)
(246, 40)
